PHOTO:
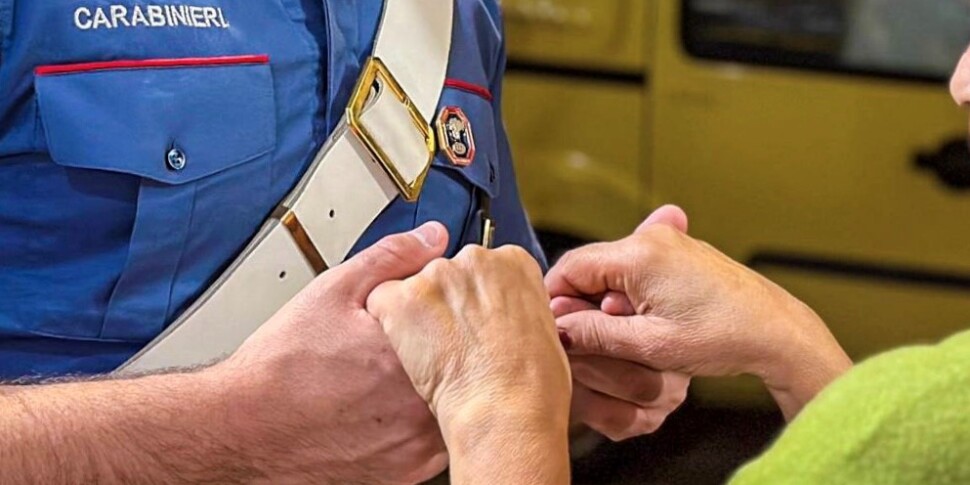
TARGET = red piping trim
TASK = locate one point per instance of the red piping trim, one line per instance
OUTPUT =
(469, 87)
(150, 64)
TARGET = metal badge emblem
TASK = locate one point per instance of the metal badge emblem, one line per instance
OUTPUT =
(455, 136)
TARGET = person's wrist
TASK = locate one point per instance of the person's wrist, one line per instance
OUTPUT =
(460, 414)
(485, 432)
(804, 357)
(252, 415)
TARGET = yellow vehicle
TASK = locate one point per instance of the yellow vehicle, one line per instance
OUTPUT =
(814, 140)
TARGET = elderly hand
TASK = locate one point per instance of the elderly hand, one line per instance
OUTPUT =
(618, 398)
(480, 345)
(697, 312)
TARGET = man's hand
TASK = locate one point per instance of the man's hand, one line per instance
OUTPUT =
(618, 398)
(315, 396)
(333, 397)
(698, 313)
(478, 340)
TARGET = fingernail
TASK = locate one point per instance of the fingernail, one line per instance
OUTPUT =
(565, 340)
(429, 234)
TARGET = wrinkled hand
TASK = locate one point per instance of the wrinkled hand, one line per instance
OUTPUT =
(698, 313)
(473, 327)
(618, 398)
(480, 345)
(322, 394)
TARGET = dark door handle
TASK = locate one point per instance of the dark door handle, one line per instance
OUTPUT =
(951, 164)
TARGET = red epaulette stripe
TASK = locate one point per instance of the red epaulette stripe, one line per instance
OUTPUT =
(469, 87)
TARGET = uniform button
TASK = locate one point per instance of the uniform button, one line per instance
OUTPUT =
(175, 159)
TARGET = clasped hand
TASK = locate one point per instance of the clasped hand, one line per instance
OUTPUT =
(484, 334)
(477, 331)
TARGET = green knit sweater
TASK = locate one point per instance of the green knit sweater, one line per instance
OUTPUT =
(898, 418)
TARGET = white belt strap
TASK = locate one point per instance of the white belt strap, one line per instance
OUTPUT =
(382, 148)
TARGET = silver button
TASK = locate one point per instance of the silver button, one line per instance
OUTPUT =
(175, 159)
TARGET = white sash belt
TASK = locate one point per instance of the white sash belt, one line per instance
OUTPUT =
(382, 148)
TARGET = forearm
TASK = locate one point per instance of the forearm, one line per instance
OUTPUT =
(158, 429)
(810, 360)
(509, 446)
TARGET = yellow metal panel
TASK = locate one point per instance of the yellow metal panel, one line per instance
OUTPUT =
(577, 148)
(763, 159)
(781, 160)
(803, 161)
(577, 33)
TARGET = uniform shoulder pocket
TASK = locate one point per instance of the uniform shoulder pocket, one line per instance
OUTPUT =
(169, 120)
(465, 171)
(467, 139)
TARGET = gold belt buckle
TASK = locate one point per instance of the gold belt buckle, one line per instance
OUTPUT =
(375, 71)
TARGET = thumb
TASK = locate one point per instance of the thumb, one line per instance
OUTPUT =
(564, 305)
(670, 215)
(635, 338)
(382, 302)
(395, 257)
(616, 303)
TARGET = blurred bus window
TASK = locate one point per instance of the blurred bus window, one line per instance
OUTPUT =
(919, 39)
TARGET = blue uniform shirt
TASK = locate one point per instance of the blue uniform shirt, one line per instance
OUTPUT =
(102, 244)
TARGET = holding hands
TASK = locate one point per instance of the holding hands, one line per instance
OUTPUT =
(637, 317)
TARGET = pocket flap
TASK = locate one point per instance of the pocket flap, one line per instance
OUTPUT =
(129, 116)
